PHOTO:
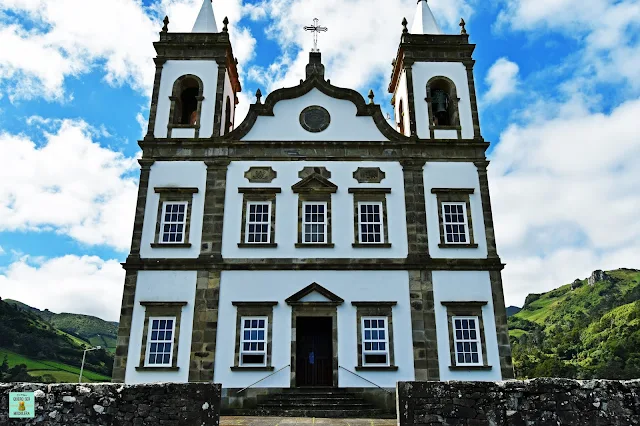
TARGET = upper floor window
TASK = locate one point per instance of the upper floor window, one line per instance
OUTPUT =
(443, 102)
(370, 222)
(314, 223)
(454, 217)
(258, 222)
(174, 220)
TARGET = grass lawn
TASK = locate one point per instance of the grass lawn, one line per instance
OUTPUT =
(62, 372)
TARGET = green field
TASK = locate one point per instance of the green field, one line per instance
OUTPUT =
(61, 372)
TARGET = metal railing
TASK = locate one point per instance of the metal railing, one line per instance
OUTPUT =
(366, 380)
(264, 378)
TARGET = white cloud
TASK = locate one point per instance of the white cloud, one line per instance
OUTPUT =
(565, 197)
(502, 79)
(83, 285)
(73, 37)
(67, 182)
(2, 251)
(361, 42)
(605, 28)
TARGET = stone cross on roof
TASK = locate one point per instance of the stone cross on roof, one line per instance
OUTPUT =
(315, 29)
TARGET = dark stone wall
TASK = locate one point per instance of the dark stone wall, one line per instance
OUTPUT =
(537, 402)
(117, 404)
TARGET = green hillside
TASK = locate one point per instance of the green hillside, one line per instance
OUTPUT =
(35, 350)
(581, 330)
(90, 329)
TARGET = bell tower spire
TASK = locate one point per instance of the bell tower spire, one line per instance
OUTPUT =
(424, 22)
(206, 20)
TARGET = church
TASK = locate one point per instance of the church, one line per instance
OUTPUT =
(315, 244)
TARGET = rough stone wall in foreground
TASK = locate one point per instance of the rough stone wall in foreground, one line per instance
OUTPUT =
(537, 402)
(116, 404)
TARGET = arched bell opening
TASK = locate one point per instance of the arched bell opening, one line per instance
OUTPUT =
(228, 123)
(186, 104)
(442, 100)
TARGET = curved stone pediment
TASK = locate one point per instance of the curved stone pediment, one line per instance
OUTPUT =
(350, 119)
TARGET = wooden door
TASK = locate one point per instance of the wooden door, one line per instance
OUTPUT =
(314, 354)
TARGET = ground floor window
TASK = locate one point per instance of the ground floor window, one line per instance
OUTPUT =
(253, 348)
(375, 341)
(467, 341)
(160, 341)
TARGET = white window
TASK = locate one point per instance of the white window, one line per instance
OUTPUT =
(258, 228)
(466, 339)
(174, 222)
(314, 223)
(160, 341)
(253, 345)
(370, 222)
(375, 341)
(454, 217)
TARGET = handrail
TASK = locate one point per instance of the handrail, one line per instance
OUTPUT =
(366, 380)
(264, 378)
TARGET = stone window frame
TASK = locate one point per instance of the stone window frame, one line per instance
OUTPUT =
(176, 92)
(307, 193)
(375, 309)
(455, 100)
(173, 195)
(253, 309)
(454, 195)
(160, 309)
(258, 195)
(363, 195)
(466, 309)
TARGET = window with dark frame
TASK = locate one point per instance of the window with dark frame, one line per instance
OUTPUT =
(454, 217)
(253, 344)
(467, 342)
(160, 341)
(174, 219)
(314, 222)
(375, 341)
(258, 226)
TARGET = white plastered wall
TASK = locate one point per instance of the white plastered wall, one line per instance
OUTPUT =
(279, 285)
(456, 71)
(465, 286)
(228, 92)
(402, 97)
(286, 232)
(162, 286)
(207, 71)
(449, 176)
(285, 124)
(180, 174)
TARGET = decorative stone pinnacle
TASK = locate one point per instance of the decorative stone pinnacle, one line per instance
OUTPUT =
(463, 29)
(165, 28)
(225, 21)
(258, 96)
(371, 95)
(404, 26)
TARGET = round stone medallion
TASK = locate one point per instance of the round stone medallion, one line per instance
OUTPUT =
(315, 119)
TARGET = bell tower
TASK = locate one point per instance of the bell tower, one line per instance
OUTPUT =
(196, 81)
(432, 82)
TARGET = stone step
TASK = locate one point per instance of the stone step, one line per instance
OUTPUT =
(318, 405)
(327, 398)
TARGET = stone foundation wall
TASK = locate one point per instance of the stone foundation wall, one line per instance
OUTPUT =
(117, 404)
(533, 402)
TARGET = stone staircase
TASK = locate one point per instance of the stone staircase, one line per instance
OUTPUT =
(318, 402)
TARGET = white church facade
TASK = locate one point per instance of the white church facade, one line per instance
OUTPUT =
(314, 244)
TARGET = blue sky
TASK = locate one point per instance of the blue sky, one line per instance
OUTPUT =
(558, 83)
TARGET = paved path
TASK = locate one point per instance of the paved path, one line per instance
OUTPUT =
(288, 421)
